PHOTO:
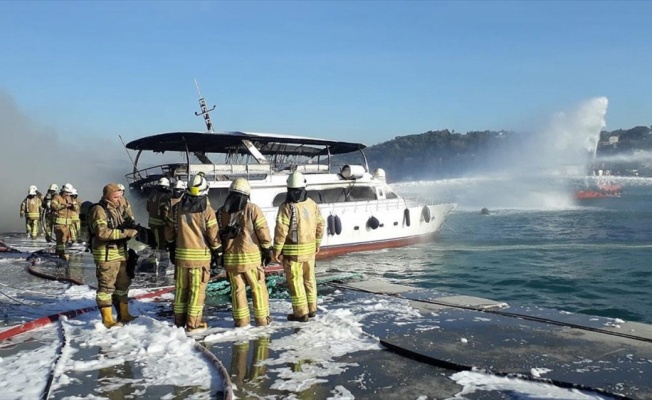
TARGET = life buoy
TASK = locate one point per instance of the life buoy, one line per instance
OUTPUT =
(331, 225)
(338, 225)
(373, 223)
(406, 216)
(426, 214)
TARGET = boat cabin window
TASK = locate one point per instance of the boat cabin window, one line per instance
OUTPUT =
(389, 194)
(361, 193)
(338, 195)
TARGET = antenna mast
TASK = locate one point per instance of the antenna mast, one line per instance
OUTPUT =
(205, 112)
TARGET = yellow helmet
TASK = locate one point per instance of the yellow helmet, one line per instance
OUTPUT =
(296, 180)
(198, 186)
(240, 185)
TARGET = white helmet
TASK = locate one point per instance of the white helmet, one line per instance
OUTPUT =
(199, 186)
(67, 188)
(32, 190)
(165, 182)
(54, 187)
(296, 180)
(73, 192)
(180, 185)
(240, 185)
(121, 186)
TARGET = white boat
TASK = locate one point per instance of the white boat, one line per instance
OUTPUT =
(360, 209)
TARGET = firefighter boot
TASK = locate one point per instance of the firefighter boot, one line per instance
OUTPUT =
(199, 328)
(107, 317)
(116, 305)
(180, 320)
(124, 313)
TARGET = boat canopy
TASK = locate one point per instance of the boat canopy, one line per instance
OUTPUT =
(232, 143)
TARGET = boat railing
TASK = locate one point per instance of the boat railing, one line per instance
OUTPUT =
(245, 169)
(144, 176)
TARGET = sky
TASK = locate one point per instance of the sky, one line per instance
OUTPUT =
(352, 70)
(77, 78)
(151, 356)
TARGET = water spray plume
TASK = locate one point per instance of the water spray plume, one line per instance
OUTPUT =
(535, 170)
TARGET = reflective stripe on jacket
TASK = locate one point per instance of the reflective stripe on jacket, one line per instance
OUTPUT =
(156, 205)
(298, 233)
(31, 207)
(243, 252)
(64, 207)
(109, 243)
(195, 234)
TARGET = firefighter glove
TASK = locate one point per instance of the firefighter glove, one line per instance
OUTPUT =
(266, 256)
(131, 233)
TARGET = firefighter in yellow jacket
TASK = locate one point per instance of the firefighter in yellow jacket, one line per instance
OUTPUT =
(172, 211)
(124, 203)
(194, 236)
(109, 247)
(156, 203)
(47, 215)
(30, 209)
(297, 237)
(246, 243)
(63, 207)
(76, 221)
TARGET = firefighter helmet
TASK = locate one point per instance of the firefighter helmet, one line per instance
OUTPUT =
(199, 186)
(296, 180)
(165, 182)
(54, 187)
(32, 190)
(67, 188)
(240, 185)
(180, 185)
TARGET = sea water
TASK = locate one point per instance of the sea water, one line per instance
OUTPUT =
(586, 256)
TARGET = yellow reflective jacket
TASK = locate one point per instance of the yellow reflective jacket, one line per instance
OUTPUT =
(64, 208)
(109, 242)
(156, 207)
(299, 229)
(31, 207)
(75, 215)
(243, 252)
(195, 232)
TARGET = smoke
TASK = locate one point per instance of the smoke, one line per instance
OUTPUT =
(541, 168)
(34, 154)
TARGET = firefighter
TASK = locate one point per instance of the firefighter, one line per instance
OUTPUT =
(76, 222)
(194, 236)
(173, 210)
(124, 203)
(47, 216)
(246, 243)
(63, 208)
(297, 236)
(30, 209)
(156, 204)
(109, 246)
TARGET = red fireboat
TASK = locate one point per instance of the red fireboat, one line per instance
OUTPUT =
(604, 190)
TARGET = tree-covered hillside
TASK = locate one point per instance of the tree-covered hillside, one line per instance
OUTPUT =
(442, 154)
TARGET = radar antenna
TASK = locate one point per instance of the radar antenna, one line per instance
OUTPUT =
(205, 112)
